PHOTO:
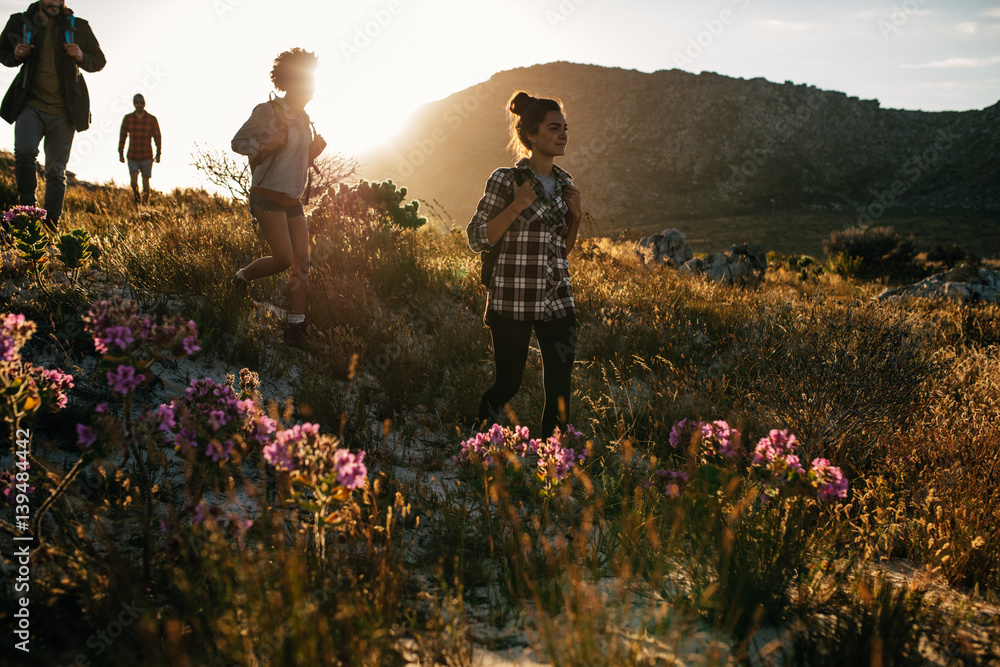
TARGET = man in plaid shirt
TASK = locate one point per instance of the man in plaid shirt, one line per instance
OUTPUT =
(143, 130)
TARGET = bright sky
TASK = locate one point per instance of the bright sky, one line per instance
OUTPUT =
(203, 64)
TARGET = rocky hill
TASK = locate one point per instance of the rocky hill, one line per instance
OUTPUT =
(649, 148)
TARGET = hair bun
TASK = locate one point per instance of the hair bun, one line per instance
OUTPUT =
(520, 103)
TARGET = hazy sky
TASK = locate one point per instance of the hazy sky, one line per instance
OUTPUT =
(203, 64)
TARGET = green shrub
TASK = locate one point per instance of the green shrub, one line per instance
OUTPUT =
(871, 252)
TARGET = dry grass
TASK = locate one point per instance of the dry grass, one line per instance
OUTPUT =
(905, 398)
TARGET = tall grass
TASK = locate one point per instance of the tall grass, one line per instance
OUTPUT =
(606, 571)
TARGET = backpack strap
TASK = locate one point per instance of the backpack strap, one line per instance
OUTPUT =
(27, 29)
(71, 33)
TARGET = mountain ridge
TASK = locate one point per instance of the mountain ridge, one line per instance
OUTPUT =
(652, 147)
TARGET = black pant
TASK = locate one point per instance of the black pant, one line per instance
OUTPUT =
(557, 340)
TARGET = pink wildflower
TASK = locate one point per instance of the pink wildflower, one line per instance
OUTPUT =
(351, 471)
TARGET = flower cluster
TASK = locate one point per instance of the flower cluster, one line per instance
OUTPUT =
(208, 419)
(314, 458)
(24, 387)
(499, 442)
(782, 473)
(829, 480)
(555, 460)
(54, 386)
(206, 522)
(668, 482)
(122, 334)
(30, 212)
(14, 333)
(712, 440)
(322, 473)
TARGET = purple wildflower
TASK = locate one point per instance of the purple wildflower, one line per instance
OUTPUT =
(219, 451)
(29, 211)
(276, 454)
(167, 418)
(117, 336)
(191, 345)
(186, 438)
(217, 419)
(124, 379)
(86, 436)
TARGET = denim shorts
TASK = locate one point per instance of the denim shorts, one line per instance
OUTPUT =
(258, 200)
(145, 167)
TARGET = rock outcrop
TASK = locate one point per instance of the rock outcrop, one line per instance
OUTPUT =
(966, 284)
(669, 247)
(741, 266)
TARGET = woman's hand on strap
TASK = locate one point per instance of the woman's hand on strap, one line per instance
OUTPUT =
(524, 196)
(276, 140)
(571, 195)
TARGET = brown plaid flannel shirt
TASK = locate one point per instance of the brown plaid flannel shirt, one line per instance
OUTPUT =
(142, 130)
(531, 277)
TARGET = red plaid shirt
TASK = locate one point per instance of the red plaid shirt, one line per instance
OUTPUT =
(143, 129)
(530, 280)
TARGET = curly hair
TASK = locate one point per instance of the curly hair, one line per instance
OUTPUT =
(287, 62)
(526, 115)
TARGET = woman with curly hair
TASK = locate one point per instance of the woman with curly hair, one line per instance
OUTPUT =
(527, 222)
(280, 144)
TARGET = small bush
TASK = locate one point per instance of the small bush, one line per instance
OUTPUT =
(871, 252)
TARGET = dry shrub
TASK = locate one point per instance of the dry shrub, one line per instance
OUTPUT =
(951, 460)
(836, 374)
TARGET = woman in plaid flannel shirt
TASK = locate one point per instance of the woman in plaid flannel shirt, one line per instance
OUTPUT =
(535, 224)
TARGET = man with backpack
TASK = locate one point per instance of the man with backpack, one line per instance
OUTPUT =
(48, 97)
(143, 128)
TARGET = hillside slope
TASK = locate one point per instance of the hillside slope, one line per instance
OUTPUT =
(646, 148)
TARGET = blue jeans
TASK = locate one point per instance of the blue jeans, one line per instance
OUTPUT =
(31, 126)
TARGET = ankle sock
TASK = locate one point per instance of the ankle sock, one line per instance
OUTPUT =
(296, 318)
(239, 276)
